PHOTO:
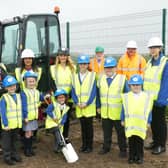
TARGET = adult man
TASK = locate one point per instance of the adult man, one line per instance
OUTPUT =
(97, 63)
(131, 62)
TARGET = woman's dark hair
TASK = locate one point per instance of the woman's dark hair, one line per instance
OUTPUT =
(34, 66)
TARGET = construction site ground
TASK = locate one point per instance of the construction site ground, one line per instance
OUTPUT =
(46, 158)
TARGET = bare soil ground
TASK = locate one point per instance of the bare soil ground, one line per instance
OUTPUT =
(46, 158)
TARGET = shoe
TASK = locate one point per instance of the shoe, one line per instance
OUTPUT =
(123, 154)
(130, 161)
(158, 150)
(149, 146)
(103, 151)
(27, 153)
(82, 149)
(32, 153)
(67, 141)
(16, 159)
(9, 162)
(88, 150)
(139, 161)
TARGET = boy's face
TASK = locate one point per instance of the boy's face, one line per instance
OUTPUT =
(83, 67)
(11, 89)
(30, 82)
(110, 71)
(61, 99)
(136, 88)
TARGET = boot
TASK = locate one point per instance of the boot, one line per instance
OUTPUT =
(31, 147)
(27, 147)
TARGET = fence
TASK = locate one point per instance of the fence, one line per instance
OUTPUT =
(113, 32)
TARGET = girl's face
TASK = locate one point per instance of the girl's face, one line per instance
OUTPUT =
(11, 89)
(30, 82)
(136, 88)
(28, 61)
(62, 59)
(154, 51)
(110, 71)
(83, 67)
(61, 99)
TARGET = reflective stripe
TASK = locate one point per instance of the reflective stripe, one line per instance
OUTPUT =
(110, 96)
(63, 85)
(152, 80)
(111, 105)
(137, 128)
(135, 116)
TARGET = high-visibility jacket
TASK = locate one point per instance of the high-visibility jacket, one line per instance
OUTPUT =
(83, 91)
(96, 67)
(62, 77)
(110, 96)
(131, 65)
(136, 113)
(33, 100)
(19, 76)
(49, 123)
(153, 76)
(13, 111)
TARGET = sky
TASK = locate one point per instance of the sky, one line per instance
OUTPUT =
(74, 10)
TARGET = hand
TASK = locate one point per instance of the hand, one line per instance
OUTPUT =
(6, 128)
(98, 110)
(83, 105)
(123, 123)
(26, 120)
(55, 120)
(47, 96)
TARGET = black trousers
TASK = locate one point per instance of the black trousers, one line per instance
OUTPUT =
(159, 126)
(87, 132)
(9, 139)
(136, 144)
(107, 125)
(66, 125)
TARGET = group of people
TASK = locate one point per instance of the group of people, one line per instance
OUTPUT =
(129, 96)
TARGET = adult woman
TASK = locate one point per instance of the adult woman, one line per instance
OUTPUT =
(61, 73)
(27, 64)
(155, 82)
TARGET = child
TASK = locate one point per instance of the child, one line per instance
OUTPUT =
(57, 116)
(84, 96)
(30, 102)
(111, 85)
(11, 116)
(136, 116)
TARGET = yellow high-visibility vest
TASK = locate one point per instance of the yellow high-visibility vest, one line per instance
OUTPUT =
(110, 96)
(62, 77)
(13, 111)
(19, 76)
(49, 123)
(153, 76)
(33, 100)
(83, 92)
(136, 113)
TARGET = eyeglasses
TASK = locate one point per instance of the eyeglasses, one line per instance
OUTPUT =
(135, 85)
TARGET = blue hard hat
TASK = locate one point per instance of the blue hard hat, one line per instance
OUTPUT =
(60, 92)
(83, 59)
(28, 74)
(9, 81)
(110, 62)
(135, 80)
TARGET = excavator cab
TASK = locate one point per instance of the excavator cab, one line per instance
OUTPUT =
(39, 32)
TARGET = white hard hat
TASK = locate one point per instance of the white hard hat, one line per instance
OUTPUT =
(131, 44)
(27, 53)
(155, 41)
